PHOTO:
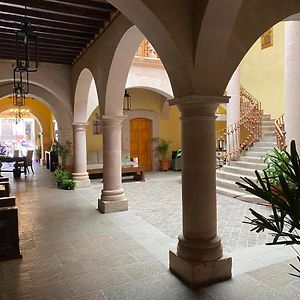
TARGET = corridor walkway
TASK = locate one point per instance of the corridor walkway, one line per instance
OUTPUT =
(71, 251)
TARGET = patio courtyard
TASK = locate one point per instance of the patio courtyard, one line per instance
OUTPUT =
(71, 251)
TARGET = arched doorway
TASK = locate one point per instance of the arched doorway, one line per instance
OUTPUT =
(141, 141)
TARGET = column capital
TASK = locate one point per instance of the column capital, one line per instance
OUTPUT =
(80, 125)
(193, 106)
(113, 119)
(204, 100)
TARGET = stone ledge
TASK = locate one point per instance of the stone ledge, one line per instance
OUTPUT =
(196, 274)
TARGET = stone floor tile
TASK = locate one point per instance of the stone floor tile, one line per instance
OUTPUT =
(93, 282)
(98, 295)
(274, 276)
(145, 289)
(237, 288)
(139, 271)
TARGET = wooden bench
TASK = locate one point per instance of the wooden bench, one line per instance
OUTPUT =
(138, 173)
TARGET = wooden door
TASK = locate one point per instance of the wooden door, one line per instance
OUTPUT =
(141, 141)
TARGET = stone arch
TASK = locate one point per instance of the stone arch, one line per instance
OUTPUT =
(46, 97)
(229, 45)
(84, 84)
(119, 69)
(140, 113)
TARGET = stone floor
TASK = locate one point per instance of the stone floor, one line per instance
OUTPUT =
(70, 251)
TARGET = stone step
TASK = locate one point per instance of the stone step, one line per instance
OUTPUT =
(268, 126)
(239, 170)
(227, 184)
(246, 164)
(266, 117)
(268, 133)
(233, 176)
(269, 144)
(258, 160)
(261, 149)
(268, 123)
(240, 195)
(251, 153)
(268, 138)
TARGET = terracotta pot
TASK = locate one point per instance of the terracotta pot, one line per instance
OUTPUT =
(164, 165)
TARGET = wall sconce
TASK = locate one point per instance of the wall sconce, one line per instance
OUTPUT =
(97, 125)
(126, 101)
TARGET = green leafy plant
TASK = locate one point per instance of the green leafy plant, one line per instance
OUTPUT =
(61, 174)
(63, 179)
(284, 199)
(162, 147)
(63, 150)
(68, 184)
(275, 161)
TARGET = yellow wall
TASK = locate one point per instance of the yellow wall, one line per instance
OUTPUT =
(262, 73)
(93, 141)
(169, 128)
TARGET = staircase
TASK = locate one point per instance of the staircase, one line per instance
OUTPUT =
(247, 164)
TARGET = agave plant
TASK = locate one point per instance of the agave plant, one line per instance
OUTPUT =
(284, 199)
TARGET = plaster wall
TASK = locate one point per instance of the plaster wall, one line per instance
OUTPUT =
(262, 73)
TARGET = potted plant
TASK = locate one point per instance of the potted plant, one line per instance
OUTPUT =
(162, 149)
(68, 184)
(63, 179)
(284, 223)
(63, 150)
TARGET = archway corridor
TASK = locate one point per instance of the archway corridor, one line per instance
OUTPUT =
(71, 252)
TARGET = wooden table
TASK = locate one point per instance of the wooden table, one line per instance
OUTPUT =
(138, 173)
(16, 161)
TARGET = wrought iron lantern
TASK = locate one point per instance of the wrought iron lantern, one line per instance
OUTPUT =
(26, 47)
(126, 101)
(26, 60)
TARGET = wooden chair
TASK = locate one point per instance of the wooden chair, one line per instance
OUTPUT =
(28, 161)
(16, 153)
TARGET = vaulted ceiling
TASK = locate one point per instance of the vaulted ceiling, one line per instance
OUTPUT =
(65, 27)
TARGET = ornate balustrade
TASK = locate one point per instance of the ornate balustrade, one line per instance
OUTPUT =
(234, 139)
(147, 51)
(280, 133)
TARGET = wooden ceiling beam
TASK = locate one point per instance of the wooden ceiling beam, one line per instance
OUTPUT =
(42, 59)
(64, 8)
(46, 15)
(44, 34)
(46, 30)
(49, 48)
(49, 23)
(9, 39)
(46, 39)
(90, 4)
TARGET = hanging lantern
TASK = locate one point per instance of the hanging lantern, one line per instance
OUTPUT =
(26, 48)
(20, 89)
(126, 101)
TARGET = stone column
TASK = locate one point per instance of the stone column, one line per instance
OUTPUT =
(80, 174)
(233, 106)
(112, 195)
(199, 257)
(233, 112)
(292, 87)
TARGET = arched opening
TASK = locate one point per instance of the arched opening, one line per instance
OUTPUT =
(85, 98)
(32, 130)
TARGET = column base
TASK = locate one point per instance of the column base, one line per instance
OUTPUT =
(195, 273)
(112, 201)
(82, 180)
